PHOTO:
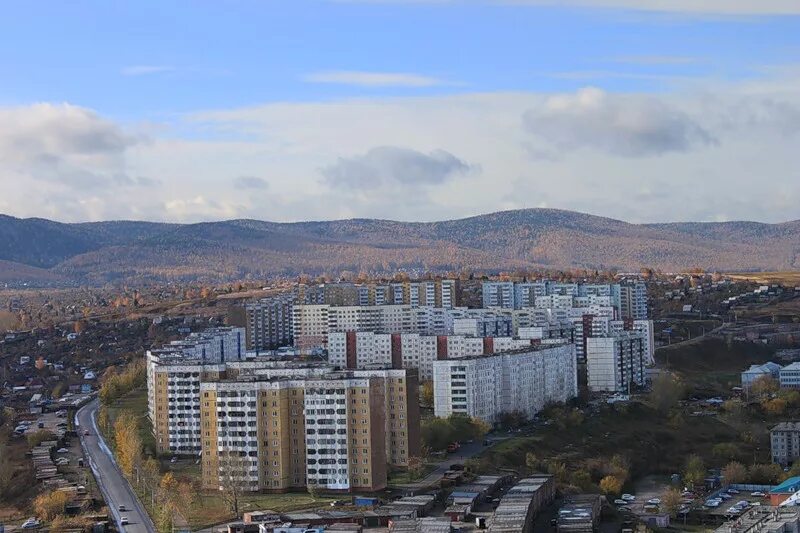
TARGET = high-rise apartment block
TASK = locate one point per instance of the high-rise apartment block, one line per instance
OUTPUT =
(272, 425)
(487, 386)
(269, 322)
(616, 362)
(629, 298)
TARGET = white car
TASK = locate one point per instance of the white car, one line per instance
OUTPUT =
(734, 510)
(31, 523)
(628, 497)
(712, 503)
(620, 502)
(758, 494)
(654, 501)
(733, 491)
(123, 520)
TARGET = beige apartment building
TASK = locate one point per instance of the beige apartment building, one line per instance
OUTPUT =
(336, 431)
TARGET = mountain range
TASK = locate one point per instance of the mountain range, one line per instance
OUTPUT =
(44, 252)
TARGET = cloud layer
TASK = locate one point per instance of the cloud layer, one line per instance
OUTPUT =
(709, 153)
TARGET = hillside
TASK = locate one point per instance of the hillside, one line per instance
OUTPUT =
(101, 252)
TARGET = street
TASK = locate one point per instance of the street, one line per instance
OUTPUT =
(115, 488)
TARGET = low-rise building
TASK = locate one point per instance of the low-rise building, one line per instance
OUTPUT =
(756, 371)
(788, 376)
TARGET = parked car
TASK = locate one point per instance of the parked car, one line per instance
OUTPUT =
(620, 502)
(758, 494)
(31, 523)
(654, 501)
(123, 520)
(628, 497)
(733, 491)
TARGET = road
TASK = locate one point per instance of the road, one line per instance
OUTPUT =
(112, 483)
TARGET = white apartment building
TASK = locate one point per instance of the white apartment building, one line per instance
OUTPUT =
(487, 386)
(269, 322)
(173, 384)
(616, 362)
(785, 443)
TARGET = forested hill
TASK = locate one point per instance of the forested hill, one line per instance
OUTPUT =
(40, 250)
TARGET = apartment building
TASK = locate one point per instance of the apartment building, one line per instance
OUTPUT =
(174, 373)
(487, 386)
(268, 322)
(361, 349)
(337, 431)
(633, 300)
(428, 293)
(616, 362)
(785, 443)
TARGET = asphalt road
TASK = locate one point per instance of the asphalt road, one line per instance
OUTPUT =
(112, 483)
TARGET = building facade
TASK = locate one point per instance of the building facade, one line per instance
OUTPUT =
(616, 362)
(268, 322)
(785, 443)
(487, 386)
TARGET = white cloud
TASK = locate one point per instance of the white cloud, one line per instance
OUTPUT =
(145, 70)
(373, 79)
(394, 165)
(624, 125)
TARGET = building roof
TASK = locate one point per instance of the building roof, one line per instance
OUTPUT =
(792, 366)
(790, 486)
(787, 426)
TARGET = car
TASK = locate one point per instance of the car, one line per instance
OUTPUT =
(624, 509)
(654, 501)
(31, 523)
(755, 504)
(758, 494)
(732, 491)
(173, 460)
(123, 520)
(744, 504)
(712, 505)
(628, 497)
(734, 510)
(620, 502)
(122, 508)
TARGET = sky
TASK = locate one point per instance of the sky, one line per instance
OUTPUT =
(640, 110)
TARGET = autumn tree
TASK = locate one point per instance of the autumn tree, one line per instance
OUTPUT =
(734, 472)
(666, 392)
(775, 406)
(49, 505)
(694, 472)
(725, 450)
(766, 474)
(234, 467)
(611, 485)
(672, 501)
(128, 442)
(426, 393)
(764, 387)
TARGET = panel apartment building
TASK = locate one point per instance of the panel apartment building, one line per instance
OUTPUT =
(265, 423)
(363, 349)
(487, 386)
(337, 431)
(617, 362)
(429, 293)
(269, 322)
(629, 297)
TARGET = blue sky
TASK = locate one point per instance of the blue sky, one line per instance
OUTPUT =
(236, 83)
